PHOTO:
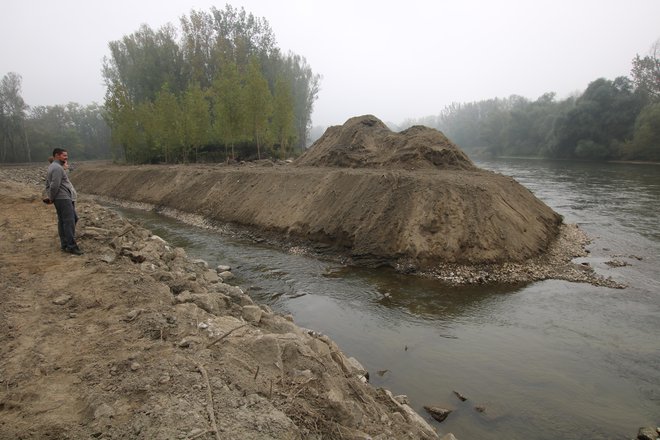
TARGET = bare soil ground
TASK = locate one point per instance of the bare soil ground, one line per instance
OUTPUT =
(133, 340)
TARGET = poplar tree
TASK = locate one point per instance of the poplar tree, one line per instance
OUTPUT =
(14, 146)
(258, 104)
(121, 116)
(168, 129)
(283, 117)
(646, 72)
(195, 120)
(229, 107)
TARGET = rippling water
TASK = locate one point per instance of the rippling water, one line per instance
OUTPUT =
(549, 360)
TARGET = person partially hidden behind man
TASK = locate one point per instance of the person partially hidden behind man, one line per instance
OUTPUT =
(61, 193)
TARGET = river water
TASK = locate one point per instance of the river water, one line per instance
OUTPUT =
(548, 360)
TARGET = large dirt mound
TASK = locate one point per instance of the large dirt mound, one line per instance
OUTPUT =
(366, 142)
(372, 216)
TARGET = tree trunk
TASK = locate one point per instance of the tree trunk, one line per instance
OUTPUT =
(27, 144)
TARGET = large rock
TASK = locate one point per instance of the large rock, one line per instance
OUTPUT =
(437, 412)
(647, 433)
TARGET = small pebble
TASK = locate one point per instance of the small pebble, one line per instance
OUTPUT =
(61, 300)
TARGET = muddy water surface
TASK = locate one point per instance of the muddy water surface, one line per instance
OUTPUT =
(547, 360)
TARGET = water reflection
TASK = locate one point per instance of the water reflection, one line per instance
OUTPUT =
(424, 299)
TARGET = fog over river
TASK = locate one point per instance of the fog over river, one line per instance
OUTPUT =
(548, 360)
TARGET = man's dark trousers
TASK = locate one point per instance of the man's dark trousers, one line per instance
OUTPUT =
(66, 223)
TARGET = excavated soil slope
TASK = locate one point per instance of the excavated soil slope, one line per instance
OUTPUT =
(134, 340)
(415, 199)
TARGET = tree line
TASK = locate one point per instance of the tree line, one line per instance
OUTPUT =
(222, 90)
(216, 88)
(219, 88)
(30, 133)
(611, 119)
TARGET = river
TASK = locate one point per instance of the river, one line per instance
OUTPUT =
(548, 360)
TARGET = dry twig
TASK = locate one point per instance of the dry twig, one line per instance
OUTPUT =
(198, 435)
(209, 403)
(301, 387)
(355, 390)
(215, 341)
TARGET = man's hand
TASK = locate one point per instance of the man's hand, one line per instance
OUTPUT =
(47, 201)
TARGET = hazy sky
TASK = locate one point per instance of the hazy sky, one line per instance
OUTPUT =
(396, 60)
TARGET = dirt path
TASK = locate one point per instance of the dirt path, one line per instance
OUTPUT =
(127, 342)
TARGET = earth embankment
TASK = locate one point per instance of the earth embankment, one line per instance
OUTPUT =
(373, 216)
(134, 340)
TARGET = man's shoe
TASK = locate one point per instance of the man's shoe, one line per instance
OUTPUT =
(75, 251)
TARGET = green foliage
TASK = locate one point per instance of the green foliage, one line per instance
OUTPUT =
(14, 146)
(167, 128)
(222, 77)
(31, 134)
(597, 125)
(228, 94)
(258, 104)
(283, 123)
(122, 117)
(304, 89)
(81, 130)
(646, 72)
(143, 61)
(604, 115)
(588, 149)
(645, 144)
(196, 121)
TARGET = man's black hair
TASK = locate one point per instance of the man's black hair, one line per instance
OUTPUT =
(57, 151)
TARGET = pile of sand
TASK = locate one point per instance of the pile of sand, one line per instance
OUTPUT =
(366, 142)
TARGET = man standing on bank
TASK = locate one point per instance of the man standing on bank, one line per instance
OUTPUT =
(61, 193)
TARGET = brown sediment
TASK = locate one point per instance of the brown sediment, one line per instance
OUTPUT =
(135, 340)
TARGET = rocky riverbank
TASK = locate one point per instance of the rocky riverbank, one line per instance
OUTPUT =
(135, 340)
